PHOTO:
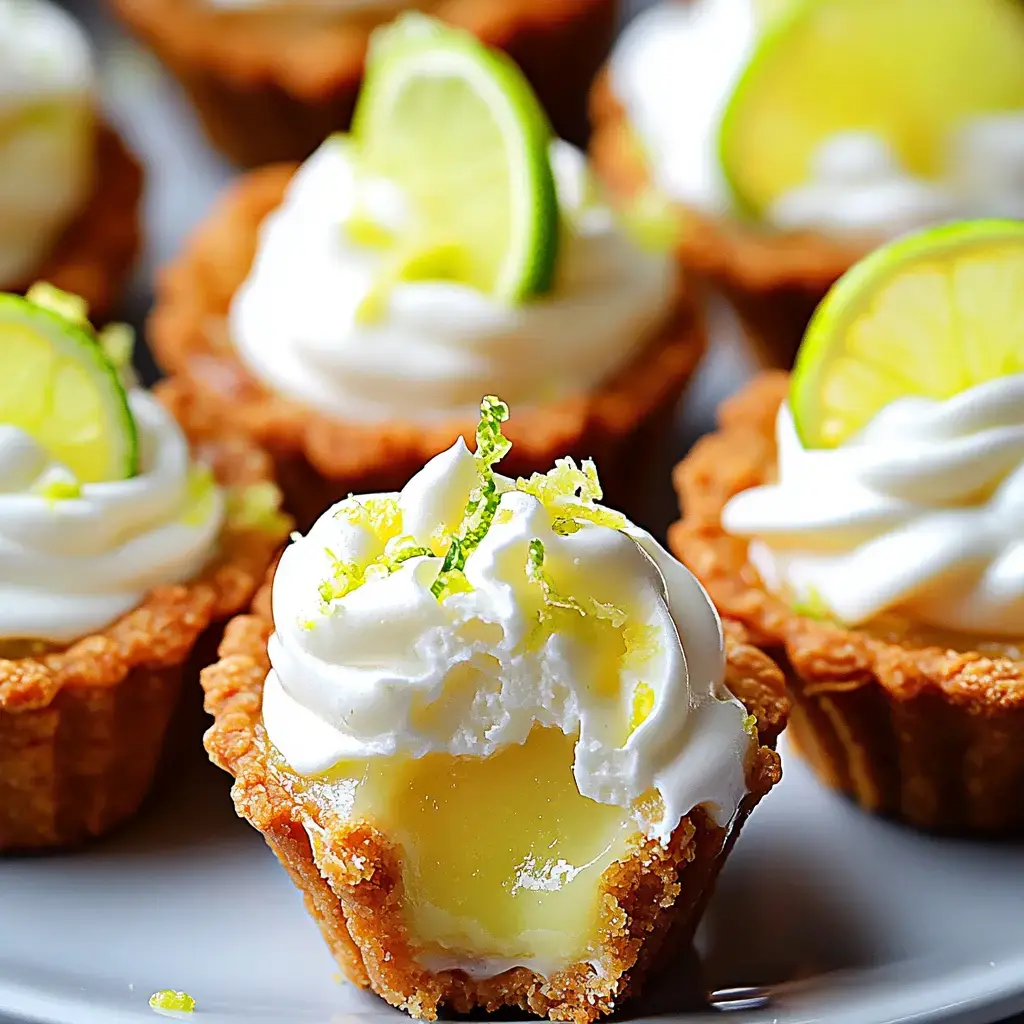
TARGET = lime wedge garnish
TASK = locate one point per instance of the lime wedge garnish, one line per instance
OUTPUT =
(457, 127)
(910, 70)
(58, 385)
(930, 315)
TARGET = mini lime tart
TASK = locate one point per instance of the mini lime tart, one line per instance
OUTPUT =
(69, 190)
(270, 78)
(864, 520)
(348, 313)
(783, 139)
(495, 734)
(119, 551)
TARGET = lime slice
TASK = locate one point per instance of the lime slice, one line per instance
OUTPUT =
(457, 127)
(57, 385)
(930, 315)
(910, 70)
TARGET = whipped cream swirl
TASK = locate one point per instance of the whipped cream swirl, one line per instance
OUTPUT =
(74, 565)
(675, 70)
(47, 131)
(922, 511)
(437, 345)
(391, 669)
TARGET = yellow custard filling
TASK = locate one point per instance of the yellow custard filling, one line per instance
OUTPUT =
(501, 856)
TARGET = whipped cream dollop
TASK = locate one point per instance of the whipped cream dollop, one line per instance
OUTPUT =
(47, 131)
(675, 70)
(391, 669)
(922, 511)
(70, 566)
(436, 346)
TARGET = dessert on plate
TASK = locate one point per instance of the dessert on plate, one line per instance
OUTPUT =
(781, 140)
(118, 549)
(271, 78)
(69, 189)
(493, 733)
(864, 521)
(347, 314)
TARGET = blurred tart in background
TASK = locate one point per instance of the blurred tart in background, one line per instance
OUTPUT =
(347, 314)
(69, 189)
(864, 521)
(781, 140)
(119, 549)
(270, 79)
(494, 733)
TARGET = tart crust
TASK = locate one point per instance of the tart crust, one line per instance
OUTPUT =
(773, 279)
(271, 85)
(82, 727)
(350, 874)
(929, 735)
(319, 459)
(95, 253)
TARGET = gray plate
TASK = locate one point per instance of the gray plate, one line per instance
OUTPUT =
(834, 916)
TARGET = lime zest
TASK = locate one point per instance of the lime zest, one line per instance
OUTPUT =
(491, 448)
(401, 549)
(67, 306)
(430, 262)
(381, 516)
(169, 999)
(652, 222)
(117, 343)
(750, 727)
(449, 583)
(571, 494)
(812, 605)
(536, 573)
(258, 507)
(200, 495)
(59, 485)
(345, 577)
(643, 705)
(361, 229)
(643, 643)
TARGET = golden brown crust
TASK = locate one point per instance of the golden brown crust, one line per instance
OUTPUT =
(923, 733)
(350, 874)
(272, 85)
(321, 459)
(775, 279)
(94, 254)
(81, 727)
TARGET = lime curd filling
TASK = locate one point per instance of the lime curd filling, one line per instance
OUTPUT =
(509, 680)
(501, 857)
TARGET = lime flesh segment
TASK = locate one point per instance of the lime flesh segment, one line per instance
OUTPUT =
(909, 70)
(930, 315)
(457, 127)
(58, 386)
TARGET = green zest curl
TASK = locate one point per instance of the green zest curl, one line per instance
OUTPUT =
(491, 448)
